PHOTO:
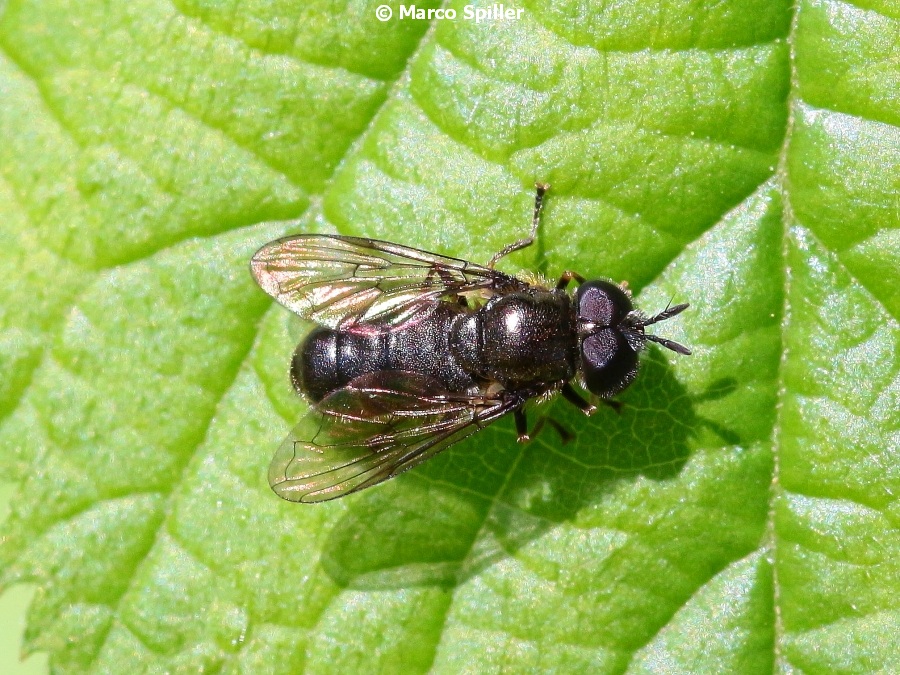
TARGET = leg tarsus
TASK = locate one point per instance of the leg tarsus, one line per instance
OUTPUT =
(521, 425)
(577, 400)
(540, 189)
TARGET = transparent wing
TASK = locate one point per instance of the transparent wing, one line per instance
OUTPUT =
(347, 282)
(376, 427)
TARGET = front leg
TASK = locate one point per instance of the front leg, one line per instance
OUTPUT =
(576, 399)
(566, 277)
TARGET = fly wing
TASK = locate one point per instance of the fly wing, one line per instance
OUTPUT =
(376, 427)
(352, 283)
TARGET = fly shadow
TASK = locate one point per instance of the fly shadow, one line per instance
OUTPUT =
(482, 500)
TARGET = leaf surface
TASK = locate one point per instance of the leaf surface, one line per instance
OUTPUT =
(738, 515)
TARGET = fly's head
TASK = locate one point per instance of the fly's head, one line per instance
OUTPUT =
(611, 335)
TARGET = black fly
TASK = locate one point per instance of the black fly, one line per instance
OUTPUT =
(415, 351)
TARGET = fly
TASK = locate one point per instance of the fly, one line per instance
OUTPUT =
(415, 351)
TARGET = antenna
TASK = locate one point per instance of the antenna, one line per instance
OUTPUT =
(667, 313)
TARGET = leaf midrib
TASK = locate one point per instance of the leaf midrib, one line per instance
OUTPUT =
(787, 217)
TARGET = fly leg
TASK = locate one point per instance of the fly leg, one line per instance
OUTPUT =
(584, 406)
(522, 427)
(566, 277)
(577, 399)
(540, 188)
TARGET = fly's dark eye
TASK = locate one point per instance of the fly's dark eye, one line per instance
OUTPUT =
(608, 362)
(602, 303)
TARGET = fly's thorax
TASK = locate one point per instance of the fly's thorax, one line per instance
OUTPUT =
(465, 341)
(523, 337)
(535, 279)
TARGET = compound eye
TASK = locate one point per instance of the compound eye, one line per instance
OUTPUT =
(602, 303)
(608, 362)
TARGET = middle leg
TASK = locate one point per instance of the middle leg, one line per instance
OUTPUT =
(540, 189)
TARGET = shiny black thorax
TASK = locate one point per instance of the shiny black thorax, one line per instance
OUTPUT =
(519, 339)
(524, 340)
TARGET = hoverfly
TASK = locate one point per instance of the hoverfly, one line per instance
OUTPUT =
(415, 351)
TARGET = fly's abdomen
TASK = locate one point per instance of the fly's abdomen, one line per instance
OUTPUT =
(329, 359)
(424, 347)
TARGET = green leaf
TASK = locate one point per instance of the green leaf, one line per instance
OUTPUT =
(738, 515)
